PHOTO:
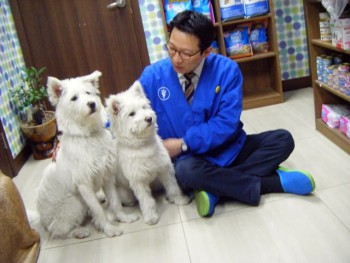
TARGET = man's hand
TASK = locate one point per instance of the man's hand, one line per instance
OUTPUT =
(173, 145)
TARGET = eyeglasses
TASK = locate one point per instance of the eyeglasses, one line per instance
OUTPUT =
(183, 54)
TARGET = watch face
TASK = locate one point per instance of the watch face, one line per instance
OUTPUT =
(184, 147)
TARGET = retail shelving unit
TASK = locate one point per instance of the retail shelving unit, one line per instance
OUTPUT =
(323, 94)
(261, 72)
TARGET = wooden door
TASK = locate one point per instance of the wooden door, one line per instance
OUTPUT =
(75, 37)
(8, 165)
(5, 163)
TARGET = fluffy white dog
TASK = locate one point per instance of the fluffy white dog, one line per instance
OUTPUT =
(140, 151)
(67, 192)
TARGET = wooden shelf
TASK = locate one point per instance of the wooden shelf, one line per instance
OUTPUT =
(262, 99)
(334, 91)
(256, 57)
(262, 83)
(334, 135)
(323, 94)
(244, 20)
(329, 46)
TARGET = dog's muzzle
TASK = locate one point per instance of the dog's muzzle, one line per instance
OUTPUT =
(92, 106)
(149, 120)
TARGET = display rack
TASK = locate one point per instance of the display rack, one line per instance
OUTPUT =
(323, 94)
(262, 84)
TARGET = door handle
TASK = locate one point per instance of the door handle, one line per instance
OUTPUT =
(118, 3)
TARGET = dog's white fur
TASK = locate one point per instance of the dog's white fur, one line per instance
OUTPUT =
(67, 192)
(140, 151)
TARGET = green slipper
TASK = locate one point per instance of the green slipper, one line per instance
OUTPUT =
(205, 203)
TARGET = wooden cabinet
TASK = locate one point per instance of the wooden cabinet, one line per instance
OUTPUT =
(324, 94)
(261, 72)
(262, 84)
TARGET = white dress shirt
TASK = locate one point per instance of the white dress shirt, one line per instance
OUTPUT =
(195, 79)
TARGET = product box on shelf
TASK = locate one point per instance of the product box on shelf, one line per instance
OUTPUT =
(342, 33)
(231, 9)
(331, 114)
(332, 29)
(325, 29)
(344, 123)
(255, 7)
(173, 7)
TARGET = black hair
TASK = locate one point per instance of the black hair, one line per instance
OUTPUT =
(196, 24)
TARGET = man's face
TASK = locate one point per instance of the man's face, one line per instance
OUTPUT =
(184, 51)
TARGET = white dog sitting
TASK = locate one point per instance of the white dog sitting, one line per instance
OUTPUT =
(67, 192)
(141, 153)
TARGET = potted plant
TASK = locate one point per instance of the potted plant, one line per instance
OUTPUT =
(37, 123)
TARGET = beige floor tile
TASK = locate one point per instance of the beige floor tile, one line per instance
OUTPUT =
(328, 164)
(169, 214)
(226, 206)
(28, 179)
(283, 118)
(190, 212)
(295, 115)
(298, 229)
(162, 244)
(338, 201)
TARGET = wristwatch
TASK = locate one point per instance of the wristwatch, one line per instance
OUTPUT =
(184, 147)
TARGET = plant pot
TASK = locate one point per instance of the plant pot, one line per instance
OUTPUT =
(42, 138)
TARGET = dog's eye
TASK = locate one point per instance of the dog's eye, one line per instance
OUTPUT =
(88, 93)
(74, 98)
(131, 114)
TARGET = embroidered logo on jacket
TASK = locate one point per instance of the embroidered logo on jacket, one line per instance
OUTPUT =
(163, 93)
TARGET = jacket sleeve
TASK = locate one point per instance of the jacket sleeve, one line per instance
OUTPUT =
(223, 127)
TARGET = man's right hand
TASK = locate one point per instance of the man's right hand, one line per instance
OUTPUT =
(173, 145)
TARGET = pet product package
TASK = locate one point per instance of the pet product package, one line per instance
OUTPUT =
(331, 114)
(231, 9)
(344, 124)
(204, 7)
(237, 41)
(255, 7)
(258, 37)
(173, 7)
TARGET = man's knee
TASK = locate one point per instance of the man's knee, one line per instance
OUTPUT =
(185, 172)
(286, 139)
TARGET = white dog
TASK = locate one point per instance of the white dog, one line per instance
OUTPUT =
(67, 192)
(141, 153)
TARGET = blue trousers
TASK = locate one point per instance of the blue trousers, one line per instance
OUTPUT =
(260, 157)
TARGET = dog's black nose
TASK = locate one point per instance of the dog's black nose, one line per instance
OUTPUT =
(148, 119)
(92, 105)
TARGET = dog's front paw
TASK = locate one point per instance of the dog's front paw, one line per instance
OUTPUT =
(182, 200)
(179, 199)
(127, 218)
(111, 230)
(151, 219)
(81, 232)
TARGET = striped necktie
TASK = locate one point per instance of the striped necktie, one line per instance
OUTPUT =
(189, 87)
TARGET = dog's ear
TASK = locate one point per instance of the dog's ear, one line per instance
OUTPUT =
(115, 107)
(93, 78)
(54, 90)
(112, 104)
(137, 89)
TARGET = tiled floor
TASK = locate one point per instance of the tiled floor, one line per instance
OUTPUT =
(284, 228)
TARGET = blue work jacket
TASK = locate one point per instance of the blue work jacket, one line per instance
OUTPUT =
(211, 125)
